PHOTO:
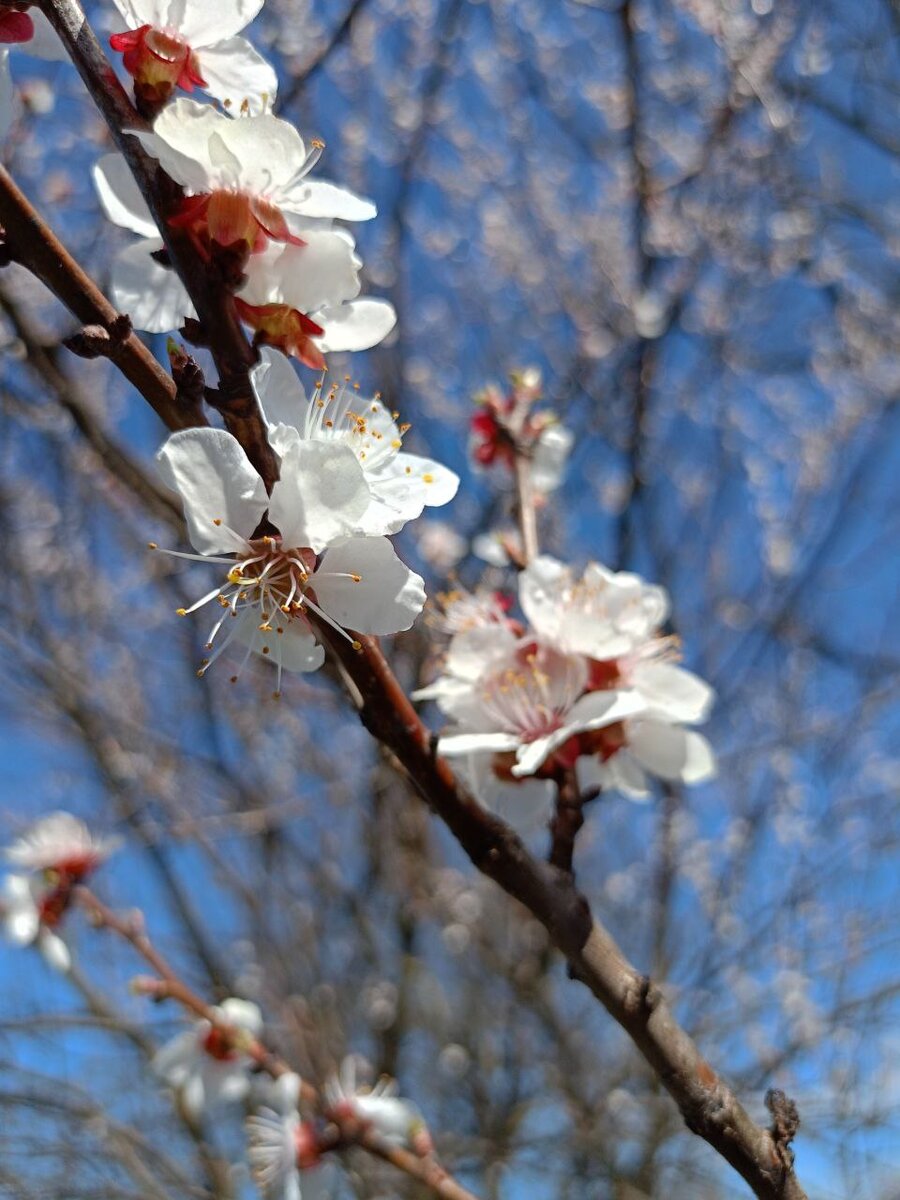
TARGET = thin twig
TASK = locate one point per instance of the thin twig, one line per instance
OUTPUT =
(169, 986)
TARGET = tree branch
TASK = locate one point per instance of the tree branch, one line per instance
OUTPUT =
(31, 243)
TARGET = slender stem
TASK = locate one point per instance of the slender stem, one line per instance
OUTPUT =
(526, 509)
(349, 1130)
(567, 821)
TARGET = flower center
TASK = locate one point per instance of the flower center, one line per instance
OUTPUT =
(532, 697)
(284, 327)
(218, 1046)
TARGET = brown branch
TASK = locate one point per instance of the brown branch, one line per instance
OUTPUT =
(568, 819)
(31, 243)
(212, 299)
(709, 1107)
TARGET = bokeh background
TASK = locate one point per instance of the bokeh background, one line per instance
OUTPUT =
(685, 212)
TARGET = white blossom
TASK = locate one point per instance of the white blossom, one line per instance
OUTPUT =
(170, 43)
(24, 919)
(650, 747)
(52, 857)
(401, 484)
(302, 299)
(256, 167)
(205, 1064)
(60, 843)
(314, 560)
(550, 456)
(396, 1120)
(528, 705)
(603, 615)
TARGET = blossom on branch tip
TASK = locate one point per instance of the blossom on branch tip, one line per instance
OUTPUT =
(283, 1154)
(401, 484)
(507, 426)
(55, 855)
(313, 560)
(209, 1063)
(398, 1121)
(170, 44)
(25, 919)
(591, 683)
(62, 844)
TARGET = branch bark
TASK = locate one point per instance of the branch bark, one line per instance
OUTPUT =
(32, 244)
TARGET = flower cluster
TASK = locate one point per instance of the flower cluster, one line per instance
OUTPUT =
(591, 683)
(51, 859)
(318, 543)
(248, 204)
(211, 1065)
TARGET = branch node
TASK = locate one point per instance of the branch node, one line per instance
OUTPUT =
(188, 376)
(785, 1123)
(100, 341)
(233, 398)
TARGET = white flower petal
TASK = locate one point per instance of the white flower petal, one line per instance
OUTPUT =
(228, 1086)
(526, 805)
(472, 651)
(675, 693)
(539, 596)
(55, 951)
(323, 272)
(193, 1094)
(355, 326)
(243, 1013)
(173, 1060)
(671, 752)
(268, 149)
(550, 457)
(453, 744)
(596, 710)
(439, 483)
(387, 598)
(136, 13)
(120, 196)
(180, 142)
(278, 390)
(321, 496)
(224, 498)
(152, 295)
(8, 98)
(532, 755)
(46, 42)
(319, 198)
(203, 23)
(234, 71)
